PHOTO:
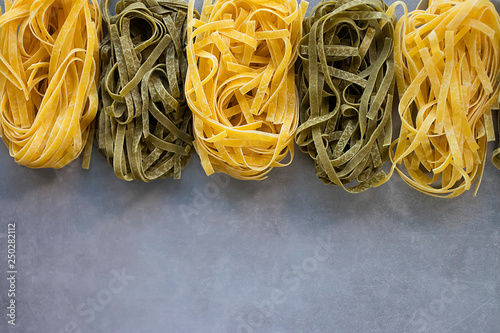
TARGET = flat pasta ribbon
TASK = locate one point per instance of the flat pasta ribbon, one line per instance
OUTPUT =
(240, 84)
(144, 123)
(49, 62)
(346, 89)
(495, 159)
(447, 61)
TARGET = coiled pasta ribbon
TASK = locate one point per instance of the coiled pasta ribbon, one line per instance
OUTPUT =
(144, 123)
(240, 84)
(346, 89)
(49, 62)
(447, 61)
(495, 159)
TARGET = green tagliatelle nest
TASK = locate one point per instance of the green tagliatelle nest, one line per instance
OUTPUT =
(496, 153)
(144, 125)
(346, 84)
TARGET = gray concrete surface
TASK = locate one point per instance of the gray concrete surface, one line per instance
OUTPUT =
(288, 254)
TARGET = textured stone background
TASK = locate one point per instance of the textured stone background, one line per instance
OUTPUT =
(287, 254)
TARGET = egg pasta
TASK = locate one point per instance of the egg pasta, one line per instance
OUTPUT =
(240, 84)
(447, 63)
(49, 62)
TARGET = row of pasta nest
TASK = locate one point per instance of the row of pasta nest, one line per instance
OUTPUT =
(244, 79)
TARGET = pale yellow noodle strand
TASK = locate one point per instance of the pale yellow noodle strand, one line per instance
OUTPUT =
(49, 62)
(240, 84)
(447, 61)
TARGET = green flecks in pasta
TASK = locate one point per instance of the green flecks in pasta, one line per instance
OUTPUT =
(346, 84)
(144, 127)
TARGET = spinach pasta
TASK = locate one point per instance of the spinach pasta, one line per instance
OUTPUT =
(144, 127)
(346, 86)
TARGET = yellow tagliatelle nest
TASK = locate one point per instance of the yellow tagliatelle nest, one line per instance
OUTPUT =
(447, 61)
(240, 84)
(48, 83)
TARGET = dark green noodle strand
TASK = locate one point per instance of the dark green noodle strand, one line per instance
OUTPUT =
(346, 85)
(144, 125)
(496, 153)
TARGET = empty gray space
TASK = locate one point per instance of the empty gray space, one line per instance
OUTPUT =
(213, 254)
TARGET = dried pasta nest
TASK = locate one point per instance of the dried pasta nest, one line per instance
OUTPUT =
(144, 125)
(240, 84)
(447, 64)
(48, 83)
(346, 84)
